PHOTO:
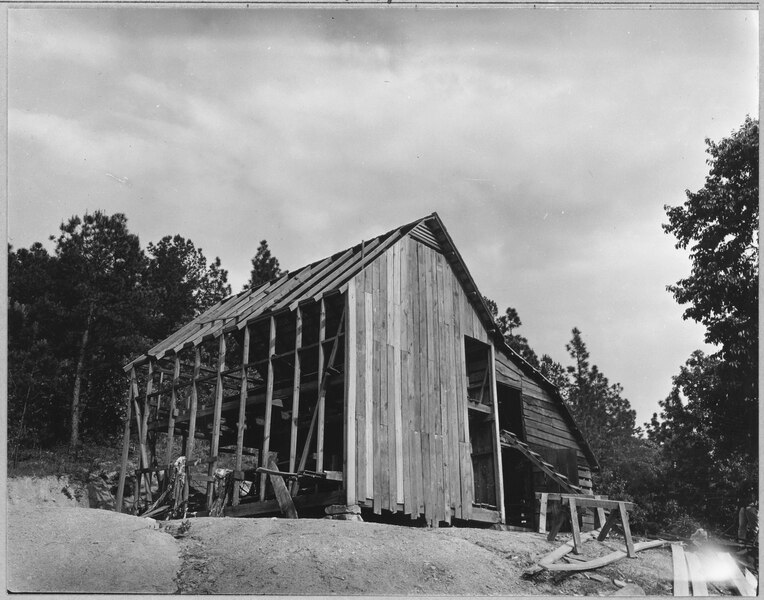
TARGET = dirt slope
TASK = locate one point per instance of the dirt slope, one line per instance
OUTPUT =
(66, 549)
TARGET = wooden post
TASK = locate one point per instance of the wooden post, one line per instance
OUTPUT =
(192, 420)
(350, 387)
(173, 405)
(145, 426)
(268, 407)
(496, 443)
(125, 447)
(241, 424)
(542, 512)
(215, 440)
(321, 404)
(295, 390)
(574, 526)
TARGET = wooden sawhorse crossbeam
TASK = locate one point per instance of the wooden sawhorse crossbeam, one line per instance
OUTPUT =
(570, 505)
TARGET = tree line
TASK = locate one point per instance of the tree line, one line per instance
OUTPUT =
(76, 315)
(696, 462)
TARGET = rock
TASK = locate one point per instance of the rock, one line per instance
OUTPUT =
(345, 517)
(597, 577)
(630, 589)
(341, 509)
(619, 583)
(99, 494)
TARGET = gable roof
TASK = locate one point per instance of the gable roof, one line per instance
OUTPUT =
(329, 276)
(311, 283)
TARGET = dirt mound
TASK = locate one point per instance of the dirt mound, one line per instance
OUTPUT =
(46, 491)
(66, 549)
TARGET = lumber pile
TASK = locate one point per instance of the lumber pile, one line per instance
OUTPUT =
(695, 570)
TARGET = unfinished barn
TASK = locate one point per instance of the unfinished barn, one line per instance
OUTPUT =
(375, 378)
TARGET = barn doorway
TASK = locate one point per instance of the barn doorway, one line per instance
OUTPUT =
(519, 501)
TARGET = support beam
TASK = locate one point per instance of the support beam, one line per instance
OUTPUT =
(125, 447)
(321, 404)
(215, 441)
(173, 405)
(241, 424)
(145, 426)
(192, 418)
(268, 406)
(295, 389)
(496, 440)
(350, 395)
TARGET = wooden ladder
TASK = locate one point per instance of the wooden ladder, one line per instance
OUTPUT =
(509, 440)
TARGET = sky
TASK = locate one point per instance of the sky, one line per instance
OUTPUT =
(548, 141)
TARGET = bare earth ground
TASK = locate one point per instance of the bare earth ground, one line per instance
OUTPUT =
(57, 547)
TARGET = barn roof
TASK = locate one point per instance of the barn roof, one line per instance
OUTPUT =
(330, 276)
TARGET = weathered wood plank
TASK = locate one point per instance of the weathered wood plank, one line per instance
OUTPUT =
(125, 446)
(498, 470)
(681, 580)
(377, 380)
(282, 494)
(321, 401)
(467, 479)
(268, 405)
(241, 423)
(360, 387)
(215, 441)
(369, 388)
(350, 395)
(397, 374)
(296, 385)
(696, 575)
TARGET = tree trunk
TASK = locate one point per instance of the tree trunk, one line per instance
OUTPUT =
(74, 439)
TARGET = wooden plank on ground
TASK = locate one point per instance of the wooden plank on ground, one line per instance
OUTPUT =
(696, 574)
(736, 578)
(681, 579)
(282, 494)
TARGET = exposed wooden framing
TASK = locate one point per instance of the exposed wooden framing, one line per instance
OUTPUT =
(321, 392)
(282, 494)
(268, 406)
(173, 405)
(295, 389)
(215, 441)
(496, 440)
(141, 431)
(350, 396)
(125, 446)
(241, 424)
(321, 402)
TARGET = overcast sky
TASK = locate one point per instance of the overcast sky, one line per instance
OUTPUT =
(547, 140)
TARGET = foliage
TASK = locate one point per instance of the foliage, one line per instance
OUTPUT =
(708, 424)
(265, 267)
(182, 282)
(77, 315)
(507, 323)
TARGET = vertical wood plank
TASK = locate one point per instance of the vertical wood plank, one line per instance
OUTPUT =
(350, 394)
(417, 375)
(574, 526)
(360, 410)
(398, 374)
(125, 446)
(215, 441)
(452, 443)
(444, 391)
(499, 471)
(321, 402)
(241, 423)
(268, 406)
(296, 380)
(368, 393)
(379, 435)
(542, 512)
(468, 482)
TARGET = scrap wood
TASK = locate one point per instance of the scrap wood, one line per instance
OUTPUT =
(566, 548)
(681, 578)
(602, 560)
(738, 580)
(697, 576)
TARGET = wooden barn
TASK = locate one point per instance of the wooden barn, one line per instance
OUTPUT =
(375, 377)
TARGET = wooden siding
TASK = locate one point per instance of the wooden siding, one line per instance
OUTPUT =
(411, 316)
